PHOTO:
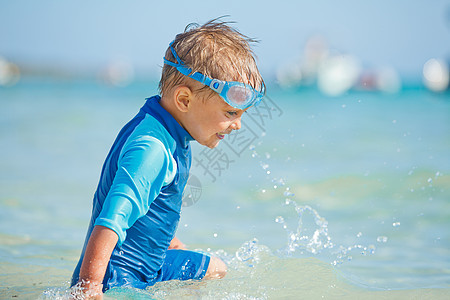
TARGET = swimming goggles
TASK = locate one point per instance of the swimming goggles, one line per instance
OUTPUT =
(237, 94)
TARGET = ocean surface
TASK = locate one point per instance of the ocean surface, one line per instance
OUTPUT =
(315, 197)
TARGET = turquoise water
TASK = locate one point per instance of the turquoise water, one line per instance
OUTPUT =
(318, 197)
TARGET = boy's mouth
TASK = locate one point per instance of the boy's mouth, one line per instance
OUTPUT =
(221, 135)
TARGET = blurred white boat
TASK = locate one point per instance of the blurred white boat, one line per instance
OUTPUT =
(338, 74)
(119, 73)
(436, 75)
(9, 73)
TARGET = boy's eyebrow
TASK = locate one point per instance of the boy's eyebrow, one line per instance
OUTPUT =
(237, 110)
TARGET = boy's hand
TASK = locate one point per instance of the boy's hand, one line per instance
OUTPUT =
(177, 244)
(86, 290)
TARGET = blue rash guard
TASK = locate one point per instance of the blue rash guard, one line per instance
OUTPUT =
(139, 196)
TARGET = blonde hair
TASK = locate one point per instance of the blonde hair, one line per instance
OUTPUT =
(216, 50)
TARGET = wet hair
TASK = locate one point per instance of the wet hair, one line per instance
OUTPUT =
(216, 50)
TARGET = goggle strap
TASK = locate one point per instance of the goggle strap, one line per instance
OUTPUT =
(182, 69)
(170, 63)
(179, 64)
(177, 58)
(198, 77)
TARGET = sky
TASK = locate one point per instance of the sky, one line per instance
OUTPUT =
(86, 35)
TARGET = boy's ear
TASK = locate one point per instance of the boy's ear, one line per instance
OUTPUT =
(183, 97)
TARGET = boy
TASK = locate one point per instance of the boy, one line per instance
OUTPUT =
(208, 81)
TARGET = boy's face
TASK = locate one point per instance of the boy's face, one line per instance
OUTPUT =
(209, 121)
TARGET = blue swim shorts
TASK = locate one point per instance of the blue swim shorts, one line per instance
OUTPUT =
(177, 265)
(184, 265)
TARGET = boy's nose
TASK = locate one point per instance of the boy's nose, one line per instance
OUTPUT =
(236, 124)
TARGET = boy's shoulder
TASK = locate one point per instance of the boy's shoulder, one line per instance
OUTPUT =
(150, 129)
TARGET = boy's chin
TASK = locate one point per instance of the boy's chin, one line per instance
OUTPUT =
(210, 144)
(213, 145)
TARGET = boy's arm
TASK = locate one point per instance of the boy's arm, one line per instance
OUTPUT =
(96, 258)
(144, 167)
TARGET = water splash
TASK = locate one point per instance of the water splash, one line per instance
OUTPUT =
(313, 237)
(309, 238)
(250, 254)
(302, 239)
(255, 272)
(63, 293)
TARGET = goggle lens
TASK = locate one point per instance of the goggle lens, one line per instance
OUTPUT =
(239, 95)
